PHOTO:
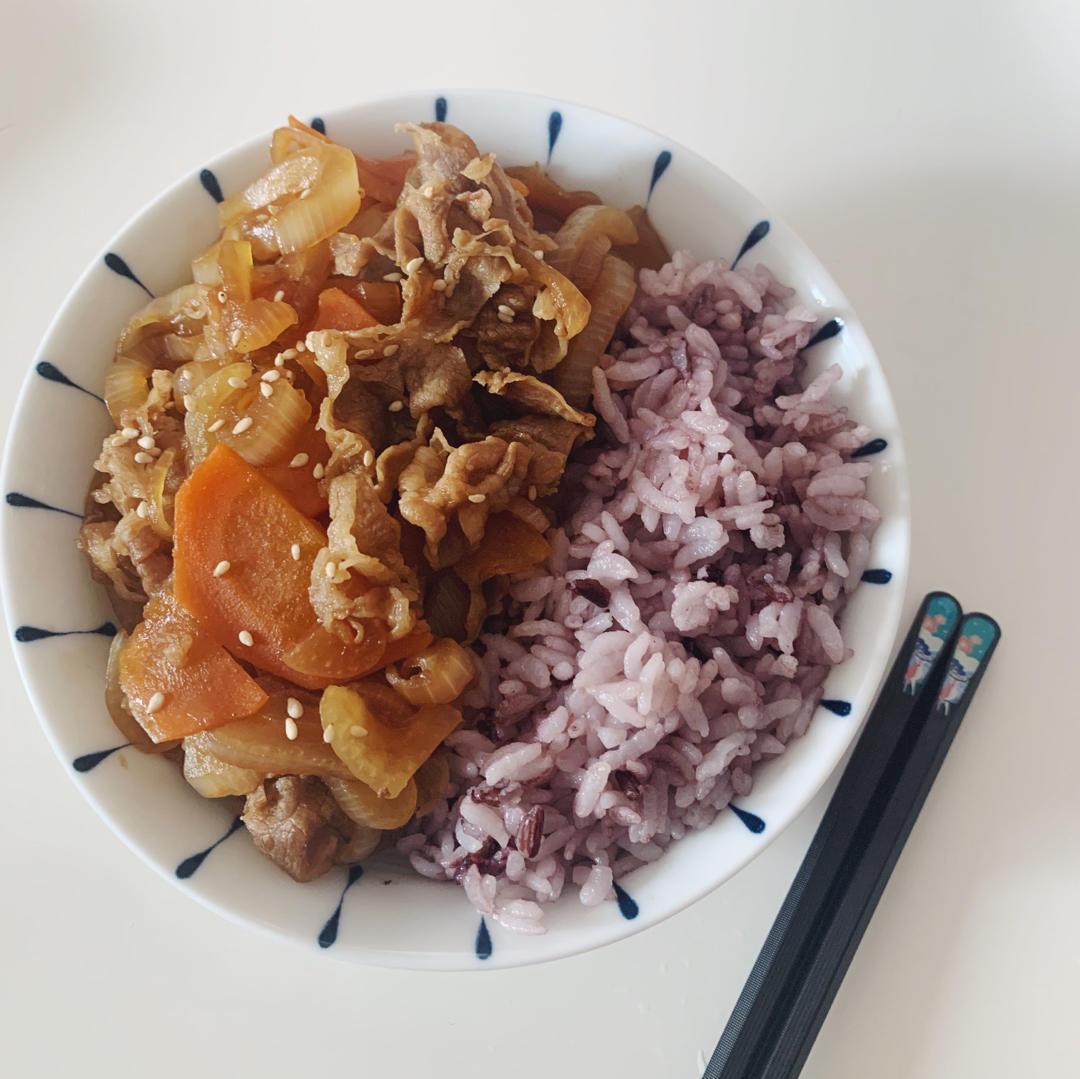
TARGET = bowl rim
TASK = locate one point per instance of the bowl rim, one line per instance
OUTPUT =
(548, 948)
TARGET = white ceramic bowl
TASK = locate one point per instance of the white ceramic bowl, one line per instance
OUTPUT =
(60, 619)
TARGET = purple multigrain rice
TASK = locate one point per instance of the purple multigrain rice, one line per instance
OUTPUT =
(683, 626)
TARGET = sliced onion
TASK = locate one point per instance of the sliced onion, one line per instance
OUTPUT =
(289, 177)
(260, 321)
(438, 675)
(581, 230)
(432, 782)
(234, 268)
(210, 775)
(261, 743)
(127, 385)
(208, 405)
(183, 311)
(116, 703)
(610, 297)
(277, 422)
(333, 202)
(361, 804)
(157, 514)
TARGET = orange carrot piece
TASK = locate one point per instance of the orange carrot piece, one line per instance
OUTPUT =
(178, 680)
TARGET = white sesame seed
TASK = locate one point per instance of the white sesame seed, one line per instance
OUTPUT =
(369, 458)
(439, 284)
(357, 731)
(155, 703)
(279, 295)
(266, 389)
(143, 458)
(318, 471)
(147, 442)
(242, 425)
(245, 638)
(414, 264)
(428, 192)
(235, 339)
(477, 498)
(390, 350)
(363, 354)
(305, 193)
(289, 354)
(271, 376)
(506, 320)
(330, 569)
(291, 730)
(237, 382)
(130, 432)
(300, 347)
(328, 734)
(299, 461)
(532, 493)
(222, 296)
(392, 277)
(294, 550)
(143, 510)
(294, 708)
(279, 360)
(395, 406)
(222, 568)
(215, 426)
(506, 309)
(539, 254)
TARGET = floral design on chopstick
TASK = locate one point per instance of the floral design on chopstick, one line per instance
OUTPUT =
(188, 866)
(978, 634)
(941, 616)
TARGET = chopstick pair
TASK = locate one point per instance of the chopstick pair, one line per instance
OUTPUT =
(826, 911)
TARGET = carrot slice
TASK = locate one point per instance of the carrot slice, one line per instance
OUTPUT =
(226, 512)
(177, 679)
(339, 311)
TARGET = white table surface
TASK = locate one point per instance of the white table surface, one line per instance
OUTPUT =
(928, 152)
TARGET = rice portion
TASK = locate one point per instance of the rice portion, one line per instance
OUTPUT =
(687, 618)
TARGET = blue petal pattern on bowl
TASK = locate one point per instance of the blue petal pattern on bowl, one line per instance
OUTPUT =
(26, 634)
(188, 866)
(754, 237)
(25, 502)
(875, 445)
(837, 707)
(51, 373)
(877, 576)
(119, 266)
(554, 127)
(211, 185)
(88, 761)
(328, 933)
(751, 820)
(482, 944)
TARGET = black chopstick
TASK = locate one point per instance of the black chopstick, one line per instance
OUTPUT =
(822, 920)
